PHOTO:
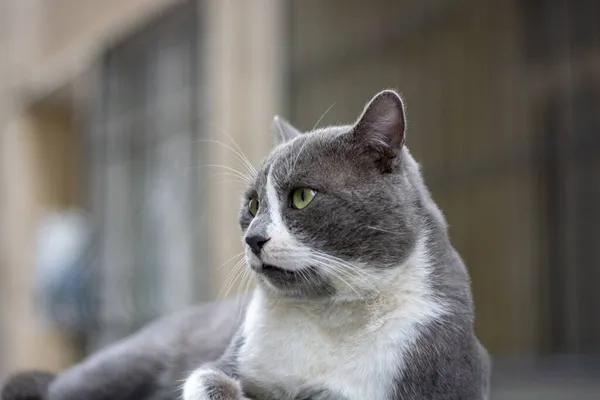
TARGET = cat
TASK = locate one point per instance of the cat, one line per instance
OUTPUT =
(148, 365)
(360, 294)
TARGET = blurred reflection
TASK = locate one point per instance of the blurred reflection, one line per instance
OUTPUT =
(66, 281)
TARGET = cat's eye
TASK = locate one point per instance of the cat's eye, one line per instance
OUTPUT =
(253, 206)
(302, 197)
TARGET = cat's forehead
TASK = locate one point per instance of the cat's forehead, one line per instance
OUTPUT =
(310, 152)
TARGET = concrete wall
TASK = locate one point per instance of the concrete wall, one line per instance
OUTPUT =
(459, 68)
(475, 80)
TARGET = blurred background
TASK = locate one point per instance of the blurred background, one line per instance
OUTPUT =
(112, 214)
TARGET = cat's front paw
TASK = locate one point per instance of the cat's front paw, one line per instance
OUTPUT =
(211, 384)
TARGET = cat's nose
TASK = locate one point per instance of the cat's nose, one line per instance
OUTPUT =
(256, 243)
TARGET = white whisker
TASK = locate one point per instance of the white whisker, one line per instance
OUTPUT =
(239, 154)
(241, 253)
(339, 261)
(375, 228)
(233, 277)
(323, 116)
(237, 173)
(236, 180)
(247, 276)
(329, 269)
(306, 140)
(348, 270)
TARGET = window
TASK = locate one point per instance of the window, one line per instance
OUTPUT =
(143, 180)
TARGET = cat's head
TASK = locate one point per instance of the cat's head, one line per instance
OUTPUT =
(331, 211)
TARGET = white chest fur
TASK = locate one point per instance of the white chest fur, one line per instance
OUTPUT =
(355, 350)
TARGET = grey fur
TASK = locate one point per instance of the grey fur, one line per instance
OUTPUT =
(368, 186)
(283, 131)
(150, 365)
(26, 386)
(370, 208)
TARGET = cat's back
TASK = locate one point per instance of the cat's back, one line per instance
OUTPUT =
(447, 363)
(153, 362)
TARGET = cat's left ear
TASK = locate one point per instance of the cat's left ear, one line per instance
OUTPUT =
(382, 126)
(283, 131)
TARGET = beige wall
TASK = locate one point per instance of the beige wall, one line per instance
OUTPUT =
(51, 45)
(46, 46)
(51, 42)
(37, 176)
(245, 80)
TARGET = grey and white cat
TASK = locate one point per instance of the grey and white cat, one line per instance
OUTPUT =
(360, 294)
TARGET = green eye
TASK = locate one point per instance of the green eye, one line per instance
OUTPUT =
(253, 206)
(302, 197)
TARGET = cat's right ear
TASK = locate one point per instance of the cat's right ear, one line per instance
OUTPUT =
(283, 131)
(381, 127)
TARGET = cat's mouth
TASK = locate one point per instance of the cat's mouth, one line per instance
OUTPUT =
(275, 271)
(283, 276)
(301, 281)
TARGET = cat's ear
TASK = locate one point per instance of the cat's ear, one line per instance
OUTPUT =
(283, 131)
(381, 127)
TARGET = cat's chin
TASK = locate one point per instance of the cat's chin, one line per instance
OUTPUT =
(299, 283)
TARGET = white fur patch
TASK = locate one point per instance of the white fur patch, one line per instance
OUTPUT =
(355, 349)
(283, 249)
(196, 388)
(276, 227)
